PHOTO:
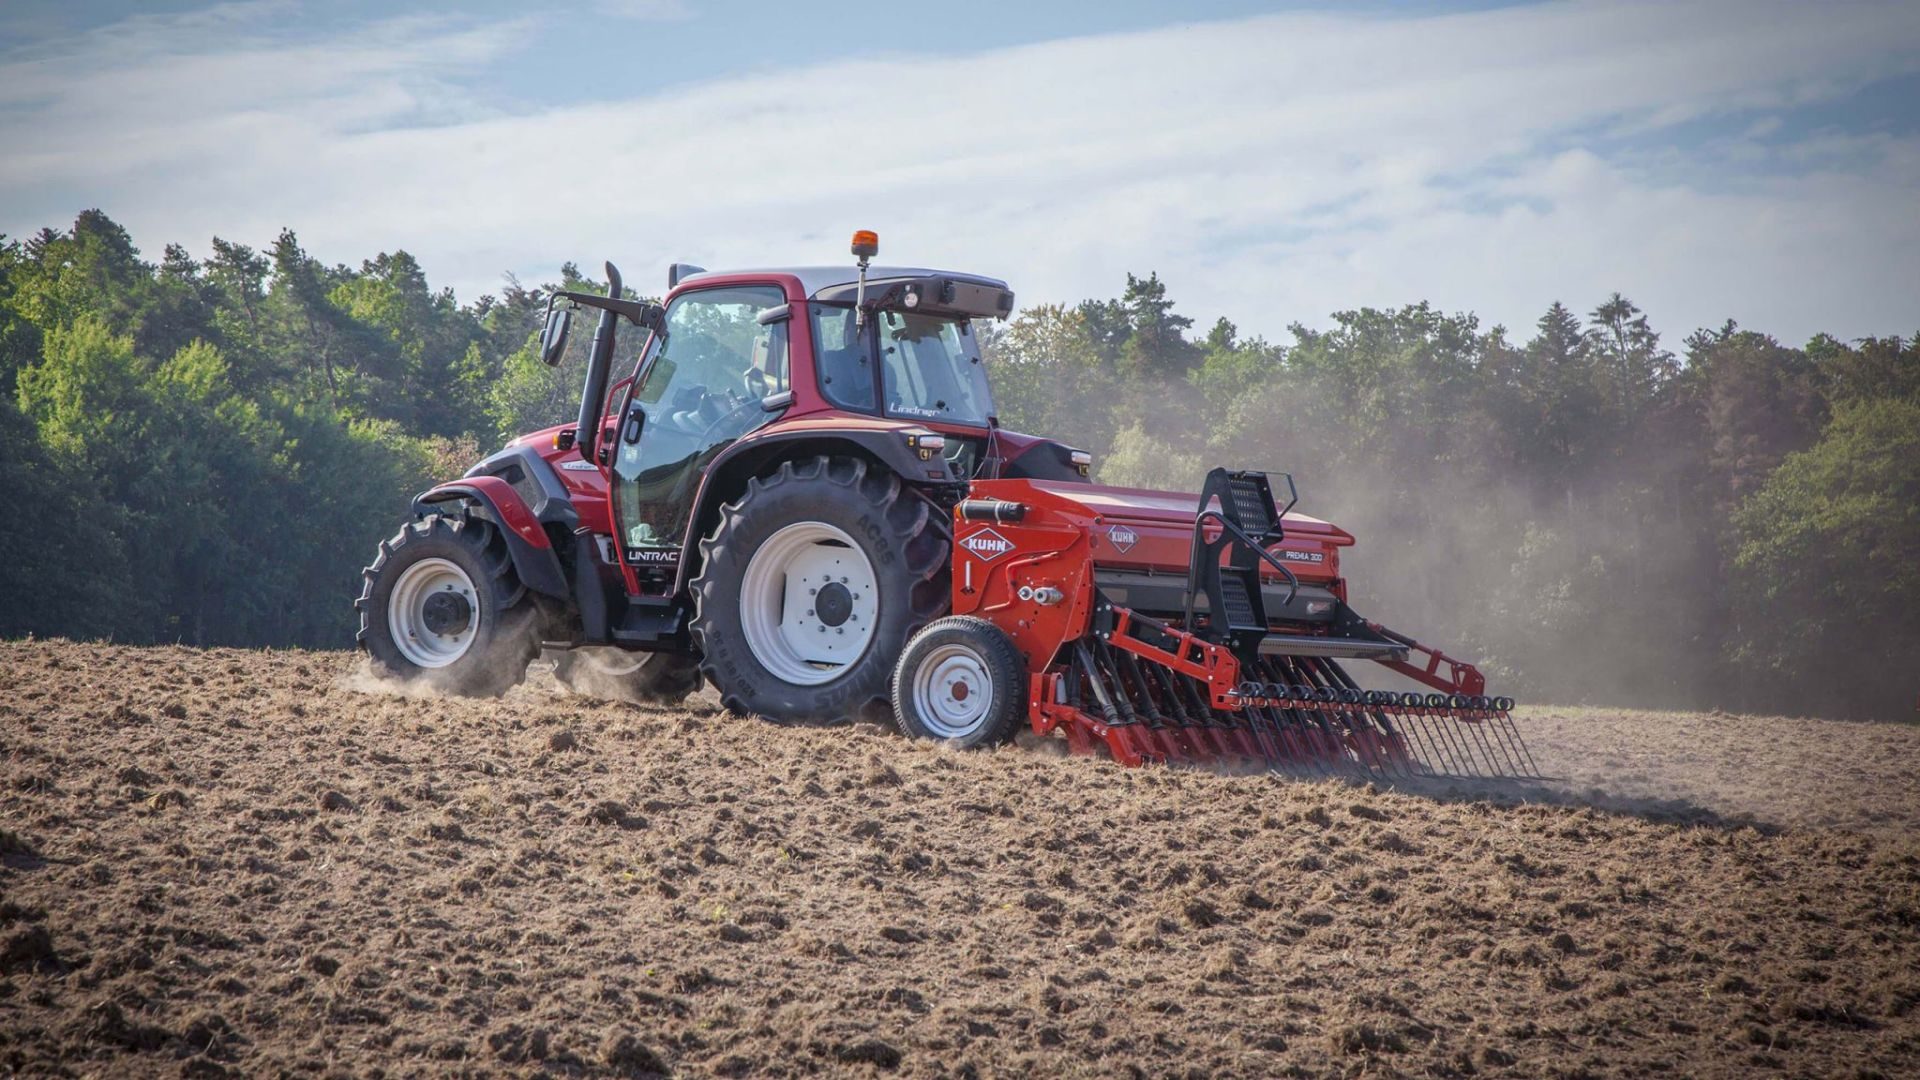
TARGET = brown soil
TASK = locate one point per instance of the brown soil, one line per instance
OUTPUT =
(235, 862)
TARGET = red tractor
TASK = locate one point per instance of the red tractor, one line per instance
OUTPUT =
(796, 489)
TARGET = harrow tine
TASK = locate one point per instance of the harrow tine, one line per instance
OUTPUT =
(1486, 749)
(1503, 725)
(1463, 762)
(1491, 729)
(1437, 762)
(1533, 767)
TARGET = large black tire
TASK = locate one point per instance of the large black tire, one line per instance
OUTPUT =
(962, 681)
(906, 540)
(638, 678)
(504, 621)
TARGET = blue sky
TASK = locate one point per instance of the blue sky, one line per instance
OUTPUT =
(1274, 163)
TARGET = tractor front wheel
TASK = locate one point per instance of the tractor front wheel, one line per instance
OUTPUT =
(442, 607)
(811, 583)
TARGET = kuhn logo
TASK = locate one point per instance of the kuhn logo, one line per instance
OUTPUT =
(1123, 538)
(1303, 556)
(987, 545)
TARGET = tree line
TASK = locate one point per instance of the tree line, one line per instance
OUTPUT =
(206, 450)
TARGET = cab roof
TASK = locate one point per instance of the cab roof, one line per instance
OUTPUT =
(816, 279)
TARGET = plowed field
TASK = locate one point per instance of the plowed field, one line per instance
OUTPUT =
(241, 862)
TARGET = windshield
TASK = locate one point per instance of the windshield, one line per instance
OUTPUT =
(930, 367)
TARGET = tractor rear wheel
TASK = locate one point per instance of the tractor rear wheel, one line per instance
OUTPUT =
(442, 607)
(961, 680)
(811, 583)
(638, 678)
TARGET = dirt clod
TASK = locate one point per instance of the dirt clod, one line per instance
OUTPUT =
(24, 948)
(868, 1051)
(628, 1056)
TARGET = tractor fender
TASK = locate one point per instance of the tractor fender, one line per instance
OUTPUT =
(495, 500)
(729, 472)
(534, 481)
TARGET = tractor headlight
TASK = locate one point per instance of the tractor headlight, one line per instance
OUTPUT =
(926, 444)
(1082, 461)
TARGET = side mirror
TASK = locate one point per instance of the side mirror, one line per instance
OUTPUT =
(553, 338)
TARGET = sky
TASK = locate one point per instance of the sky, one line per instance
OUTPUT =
(1272, 163)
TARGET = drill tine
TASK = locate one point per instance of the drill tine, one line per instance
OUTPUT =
(1159, 680)
(1135, 682)
(1103, 662)
(1113, 708)
(1084, 660)
(1147, 736)
(1503, 721)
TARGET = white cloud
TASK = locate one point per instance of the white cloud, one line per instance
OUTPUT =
(1270, 169)
(646, 10)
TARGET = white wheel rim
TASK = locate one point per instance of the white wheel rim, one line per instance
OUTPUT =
(407, 613)
(788, 632)
(952, 691)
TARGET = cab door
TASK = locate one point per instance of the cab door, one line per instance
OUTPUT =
(710, 380)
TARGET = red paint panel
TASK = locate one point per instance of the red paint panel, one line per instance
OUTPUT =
(506, 503)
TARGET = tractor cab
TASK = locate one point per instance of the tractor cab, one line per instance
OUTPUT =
(734, 364)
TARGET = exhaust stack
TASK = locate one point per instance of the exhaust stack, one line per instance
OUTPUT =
(599, 363)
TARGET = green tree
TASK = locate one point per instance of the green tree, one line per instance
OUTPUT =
(1826, 586)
